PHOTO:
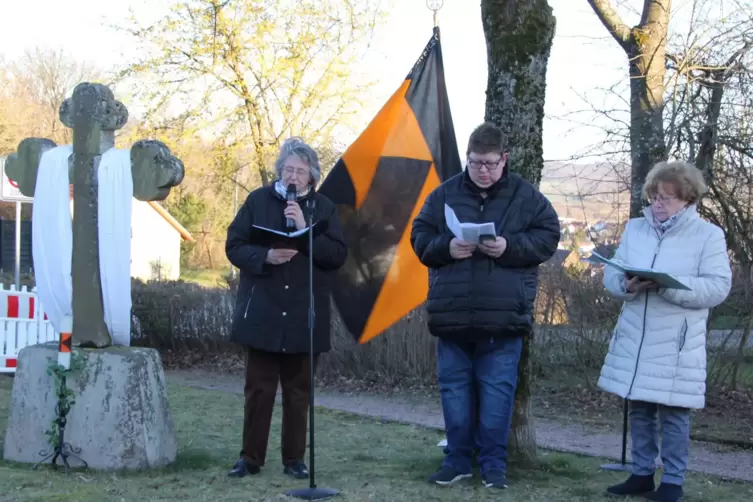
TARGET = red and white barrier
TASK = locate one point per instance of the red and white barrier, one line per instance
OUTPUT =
(22, 323)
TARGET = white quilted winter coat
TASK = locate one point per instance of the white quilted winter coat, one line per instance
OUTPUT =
(658, 347)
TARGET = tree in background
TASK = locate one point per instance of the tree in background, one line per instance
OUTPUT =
(519, 36)
(190, 210)
(700, 101)
(708, 115)
(255, 72)
(34, 87)
(645, 47)
(709, 121)
(203, 204)
(705, 90)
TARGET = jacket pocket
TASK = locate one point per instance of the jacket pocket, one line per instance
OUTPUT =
(248, 303)
(683, 334)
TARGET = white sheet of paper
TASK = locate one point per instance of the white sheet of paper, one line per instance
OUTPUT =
(468, 232)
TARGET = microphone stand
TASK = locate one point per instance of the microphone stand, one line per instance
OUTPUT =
(312, 492)
(623, 465)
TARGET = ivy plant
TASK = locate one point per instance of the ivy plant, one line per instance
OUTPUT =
(66, 398)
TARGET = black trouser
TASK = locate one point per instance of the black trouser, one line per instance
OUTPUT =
(263, 372)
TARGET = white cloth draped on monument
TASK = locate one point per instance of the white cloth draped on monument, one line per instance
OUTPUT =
(52, 237)
(115, 185)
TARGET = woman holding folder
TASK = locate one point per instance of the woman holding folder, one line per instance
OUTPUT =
(271, 312)
(657, 354)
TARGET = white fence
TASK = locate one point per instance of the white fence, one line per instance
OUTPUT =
(22, 323)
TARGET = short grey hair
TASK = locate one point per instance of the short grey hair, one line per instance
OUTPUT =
(686, 179)
(296, 146)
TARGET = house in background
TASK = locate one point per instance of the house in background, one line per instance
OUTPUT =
(155, 243)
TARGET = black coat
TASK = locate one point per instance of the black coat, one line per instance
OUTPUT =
(482, 297)
(271, 311)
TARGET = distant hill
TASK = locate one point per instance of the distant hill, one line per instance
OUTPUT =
(601, 190)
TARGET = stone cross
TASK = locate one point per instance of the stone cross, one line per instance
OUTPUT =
(94, 115)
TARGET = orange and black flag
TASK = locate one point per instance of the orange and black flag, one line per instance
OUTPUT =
(379, 186)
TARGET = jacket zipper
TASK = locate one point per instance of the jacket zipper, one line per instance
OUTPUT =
(248, 303)
(473, 270)
(643, 331)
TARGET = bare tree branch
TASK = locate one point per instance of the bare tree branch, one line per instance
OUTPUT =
(612, 22)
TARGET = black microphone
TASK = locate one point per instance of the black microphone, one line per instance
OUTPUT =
(291, 195)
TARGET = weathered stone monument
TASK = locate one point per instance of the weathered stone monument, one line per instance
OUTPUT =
(121, 417)
(94, 115)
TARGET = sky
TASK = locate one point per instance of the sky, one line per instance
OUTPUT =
(584, 57)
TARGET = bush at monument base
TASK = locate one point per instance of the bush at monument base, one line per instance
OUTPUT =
(121, 417)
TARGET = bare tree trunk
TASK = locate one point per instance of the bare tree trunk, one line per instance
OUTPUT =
(645, 46)
(519, 35)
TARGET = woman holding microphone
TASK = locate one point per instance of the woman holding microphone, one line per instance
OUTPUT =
(272, 306)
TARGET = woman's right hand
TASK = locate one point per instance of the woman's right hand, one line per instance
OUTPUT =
(635, 285)
(277, 256)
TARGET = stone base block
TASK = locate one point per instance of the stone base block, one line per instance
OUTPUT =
(120, 420)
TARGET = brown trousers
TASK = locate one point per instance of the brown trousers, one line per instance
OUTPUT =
(264, 370)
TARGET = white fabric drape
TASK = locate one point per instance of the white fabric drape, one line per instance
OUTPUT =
(115, 186)
(52, 239)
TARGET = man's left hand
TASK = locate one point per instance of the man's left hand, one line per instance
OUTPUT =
(294, 212)
(495, 248)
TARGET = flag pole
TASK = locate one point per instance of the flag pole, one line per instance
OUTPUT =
(435, 6)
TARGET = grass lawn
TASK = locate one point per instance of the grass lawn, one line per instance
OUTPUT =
(365, 459)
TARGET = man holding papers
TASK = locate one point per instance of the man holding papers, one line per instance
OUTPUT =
(271, 313)
(657, 355)
(482, 234)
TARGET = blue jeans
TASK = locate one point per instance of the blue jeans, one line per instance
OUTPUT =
(478, 376)
(646, 419)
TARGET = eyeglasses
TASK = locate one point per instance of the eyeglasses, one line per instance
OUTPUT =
(661, 198)
(300, 173)
(490, 166)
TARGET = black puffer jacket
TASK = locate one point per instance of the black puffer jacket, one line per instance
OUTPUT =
(271, 311)
(483, 297)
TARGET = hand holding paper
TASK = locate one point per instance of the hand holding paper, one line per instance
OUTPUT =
(494, 248)
(634, 284)
(468, 232)
(643, 274)
(278, 256)
(461, 250)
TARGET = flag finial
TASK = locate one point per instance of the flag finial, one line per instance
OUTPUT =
(435, 5)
